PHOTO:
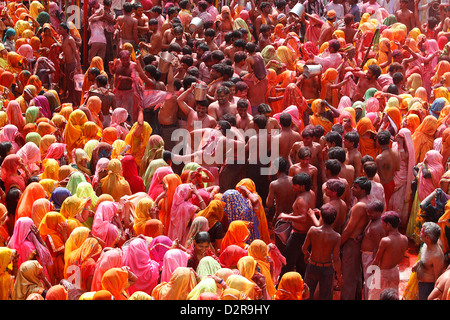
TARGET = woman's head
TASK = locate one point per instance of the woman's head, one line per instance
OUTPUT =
(202, 241)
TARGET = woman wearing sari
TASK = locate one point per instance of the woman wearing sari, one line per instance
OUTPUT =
(102, 150)
(259, 251)
(116, 281)
(106, 225)
(288, 57)
(74, 241)
(423, 137)
(138, 138)
(109, 258)
(7, 256)
(248, 189)
(214, 214)
(73, 131)
(31, 156)
(317, 118)
(32, 192)
(153, 150)
(30, 279)
(158, 248)
(136, 257)
(15, 115)
(236, 207)
(182, 212)
(173, 259)
(10, 175)
(54, 233)
(291, 287)
(130, 173)
(401, 197)
(81, 263)
(71, 208)
(178, 287)
(27, 241)
(367, 132)
(39, 209)
(96, 62)
(142, 215)
(114, 183)
(237, 234)
(248, 287)
(428, 178)
(118, 121)
(170, 184)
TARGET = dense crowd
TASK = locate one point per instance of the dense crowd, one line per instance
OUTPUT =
(201, 150)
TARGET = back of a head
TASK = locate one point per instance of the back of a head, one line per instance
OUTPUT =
(285, 120)
(302, 179)
(364, 183)
(337, 153)
(328, 213)
(384, 137)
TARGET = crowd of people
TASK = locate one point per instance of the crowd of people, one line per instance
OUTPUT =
(192, 150)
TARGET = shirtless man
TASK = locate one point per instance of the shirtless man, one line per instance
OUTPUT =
(108, 98)
(307, 141)
(350, 241)
(351, 141)
(348, 28)
(179, 37)
(264, 17)
(281, 195)
(388, 163)
(310, 86)
(304, 154)
(302, 219)
(124, 76)
(155, 45)
(199, 114)
(431, 263)
(366, 81)
(405, 16)
(332, 170)
(287, 136)
(323, 257)
(243, 118)
(71, 61)
(142, 21)
(216, 77)
(257, 93)
(441, 287)
(371, 239)
(347, 171)
(127, 26)
(334, 189)
(272, 123)
(390, 253)
(222, 106)
(327, 29)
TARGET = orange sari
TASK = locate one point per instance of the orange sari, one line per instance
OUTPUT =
(367, 145)
(423, 137)
(317, 119)
(171, 182)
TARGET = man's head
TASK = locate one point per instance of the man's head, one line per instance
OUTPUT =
(222, 95)
(285, 120)
(337, 153)
(335, 188)
(302, 182)
(201, 106)
(125, 57)
(374, 209)
(383, 138)
(332, 167)
(63, 29)
(430, 232)
(308, 135)
(333, 46)
(153, 25)
(351, 139)
(260, 121)
(361, 187)
(127, 8)
(370, 169)
(304, 155)
(101, 81)
(328, 213)
(282, 165)
(242, 108)
(373, 72)
(390, 220)
(241, 89)
(333, 139)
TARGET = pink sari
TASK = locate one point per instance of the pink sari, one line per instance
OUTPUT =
(399, 200)
(158, 248)
(118, 117)
(433, 162)
(156, 186)
(30, 154)
(102, 225)
(173, 259)
(107, 260)
(25, 242)
(182, 213)
(295, 116)
(8, 133)
(136, 256)
(56, 151)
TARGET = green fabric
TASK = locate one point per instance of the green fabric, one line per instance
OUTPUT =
(390, 20)
(31, 114)
(33, 137)
(206, 285)
(207, 266)
(153, 165)
(75, 179)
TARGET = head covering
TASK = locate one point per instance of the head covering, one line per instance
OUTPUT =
(423, 137)
(290, 287)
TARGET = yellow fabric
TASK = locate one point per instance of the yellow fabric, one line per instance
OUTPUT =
(70, 207)
(73, 131)
(317, 119)
(259, 251)
(5, 278)
(114, 183)
(290, 287)
(138, 144)
(142, 215)
(423, 137)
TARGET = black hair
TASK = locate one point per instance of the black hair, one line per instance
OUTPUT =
(384, 137)
(336, 185)
(375, 205)
(304, 152)
(242, 103)
(188, 60)
(364, 183)
(397, 78)
(260, 121)
(167, 156)
(230, 118)
(239, 56)
(302, 179)
(239, 43)
(282, 165)
(210, 32)
(218, 55)
(251, 47)
(334, 166)
(334, 137)
(376, 70)
(202, 236)
(393, 89)
(308, 132)
(339, 128)
(337, 153)
(102, 80)
(370, 168)
(328, 213)
(353, 137)
(127, 7)
(285, 120)
(318, 131)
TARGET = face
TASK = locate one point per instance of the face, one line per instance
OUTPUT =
(201, 248)
(222, 98)
(201, 110)
(329, 193)
(356, 190)
(307, 140)
(348, 144)
(139, 11)
(369, 75)
(242, 94)
(346, 123)
(305, 160)
(125, 60)
(372, 214)
(242, 112)
(62, 31)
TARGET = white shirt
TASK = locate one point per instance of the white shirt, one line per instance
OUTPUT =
(339, 8)
(391, 6)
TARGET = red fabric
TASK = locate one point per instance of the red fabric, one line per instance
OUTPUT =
(130, 173)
